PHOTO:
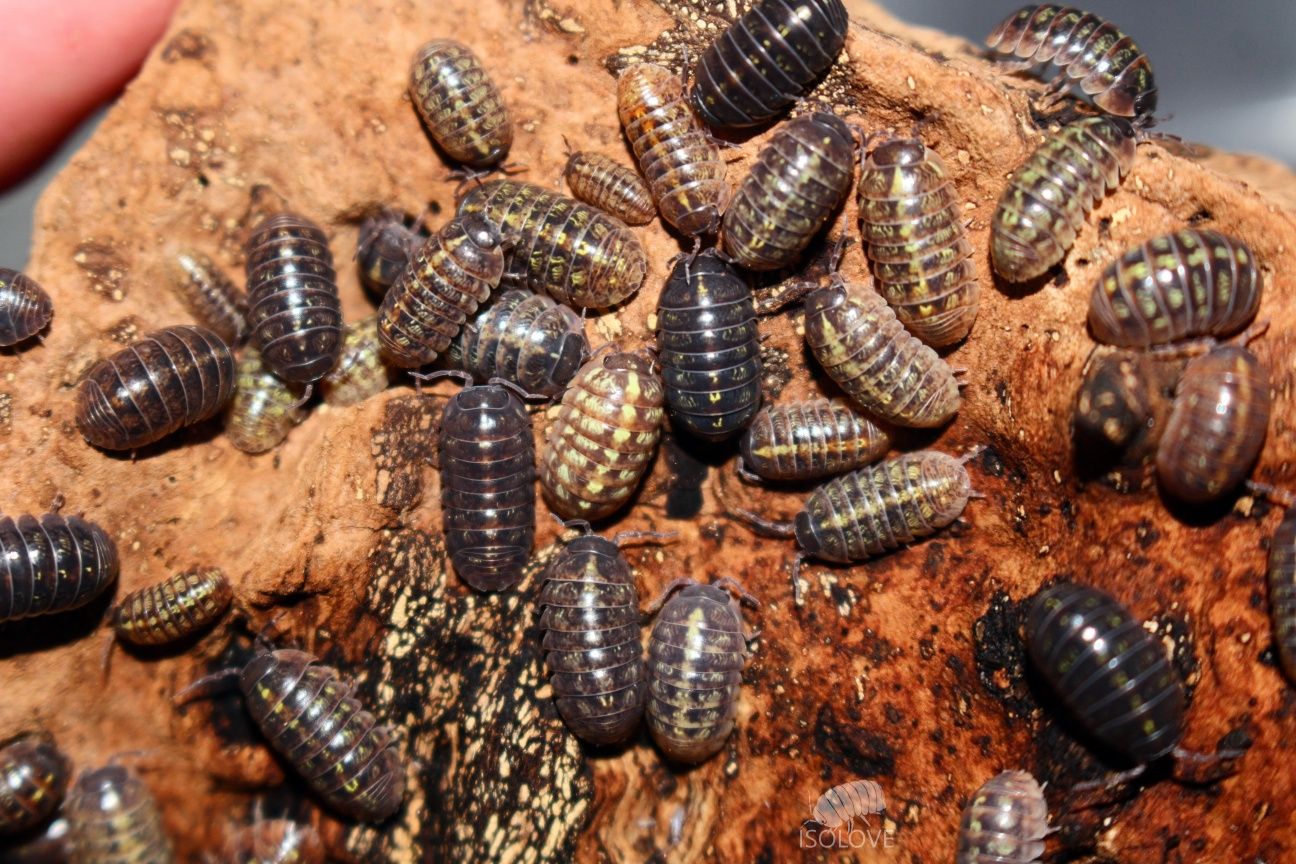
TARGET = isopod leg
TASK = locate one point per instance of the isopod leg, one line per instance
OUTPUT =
(1204, 768)
(207, 686)
(734, 587)
(621, 538)
(741, 471)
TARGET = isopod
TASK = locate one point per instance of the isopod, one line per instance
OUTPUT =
(796, 183)
(1174, 287)
(574, 253)
(1110, 67)
(912, 224)
(696, 653)
(528, 339)
(386, 242)
(361, 371)
(841, 804)
(53, 564)
(809, 440)
(264, 409)
(605, 183)
(210, 296)
(860, 343)
(676, 155)
(1281, 574)
(766, 60)
(25, 308)
(33, 780)
(295, 314)
(1125, 399)
(1005, 822)
(709, 348)
(169, 379)
(604, 437)
(113, 819)
(460, 104)
(173, 608)
(274, 841)
(1051, 195)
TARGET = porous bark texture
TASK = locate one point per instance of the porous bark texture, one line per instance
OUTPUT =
(907, 670)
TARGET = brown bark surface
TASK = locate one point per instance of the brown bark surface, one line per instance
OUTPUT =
(907, 670)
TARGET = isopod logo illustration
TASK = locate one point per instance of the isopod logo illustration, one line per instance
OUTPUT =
(832, 820)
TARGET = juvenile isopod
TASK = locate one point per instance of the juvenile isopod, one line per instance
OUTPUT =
(295, 313)
(361, 371)
(1175, 287)
(460, 104)
(1051, 195)
(169, 379)
(210, 296)
(114, 819)
(574, 253)
(604, 437)
(273, 841)
(528, 339)
(809, 440)
(766, 60)
(846, 802)
(675, 153)
(53, 564)
(796, 183)
(605, 183)
(25, 308)
(912, 224)
(860, 343)
(1005, 822)
(386, 242)
(264, 409)
(709, 348)
(1109, 66)
(173, 608)
(696, 653)
(33, 779)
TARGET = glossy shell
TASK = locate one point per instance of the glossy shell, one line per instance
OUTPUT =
(460, 104)
(274, 841)
(1124, 401)
(52, 564)
(172, 609)
(33, 780)
(1109, 66)
(113, 819)
(1217, 426)
(766, 60)
(574, 253)
(809, 440)
(1110, 672)
(25, 308)
(264, 408)
(598, 447)
(709, 348)
(525, 338)
(1282, 591)
(487, 458)
(1005, 822)
(590, 621)
(361, 371)
(860, 343)
(796, 183)
(605, 183)
(210, 296)
(386, 242)
(676, 155)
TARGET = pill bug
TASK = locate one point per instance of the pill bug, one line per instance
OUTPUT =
(1174, 287)
(173, 608)
(25, 308)
(1124, 401)
(1005, 822)
(1217, 426)
(460, 104)
(361, 371)
(295, 314)
(605, 183)
(1109, 66)
(912, 224)
(273, 841)
(53, 564)
(574, 253)
(1051, 195)
(386, 242)
(487, 460)
(264, 409)
(113, 819)
(524, 338)
(604, 437)
(1110, 672)
(794, 186)
(33, 779)
(1281, 574)
(590, 621)
(696, 653)
(675, 153)
(766, 60)
(169, 379)
(809, 440)
(709, 348)
(860, 343)
(210, 296)
(841, 804)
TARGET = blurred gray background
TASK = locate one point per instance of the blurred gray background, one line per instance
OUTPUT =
(1225, 71)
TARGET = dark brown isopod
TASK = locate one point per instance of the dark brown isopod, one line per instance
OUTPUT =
(487, 460)
(809, 440)
(386, 242)
(767, 59)
(696, 653)
(605, 183)
(52, 564)
(296, 315)
(1124, 403)
(173, 608)
(523, 338)
(33, 780)
(1217, 426)
(460, 104)
(113, 819)
(794, 186)
(1108, 64)
(25, 308)
(215, 302)
(675, 153)
(169, 379)
(1282, 588)
(273, 841)
(590, 621)
(1174, 287)
(1005, 822)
